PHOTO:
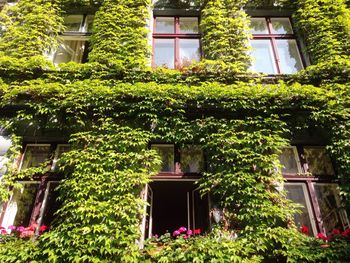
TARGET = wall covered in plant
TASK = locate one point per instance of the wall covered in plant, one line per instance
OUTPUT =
(113, 106)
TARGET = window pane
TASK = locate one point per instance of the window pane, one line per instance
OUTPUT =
(329, 202)
(165, 25)
(189, 51)
(35, 155)
(19, 208)
(263, 59)
(281, 26)
(88, 23)
(289, 56)
(297, 193)
(73, 23)
(51, 204)
(166, 153)
(164, 52)
(61, 148)
(288, 159)
(318, 161)
(192, 160)
(69, 50)
(258, 26)
(188, 25)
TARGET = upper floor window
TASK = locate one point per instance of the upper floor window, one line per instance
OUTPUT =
(176, 41)
(274, 47)
(73, 45)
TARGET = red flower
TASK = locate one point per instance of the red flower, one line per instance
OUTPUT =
(43, 228)
(304, 229)
(197, 231)
(322, 236)
(346, 232)
(336, 232)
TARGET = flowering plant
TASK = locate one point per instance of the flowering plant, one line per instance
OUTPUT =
(336, 234)
(20, 232)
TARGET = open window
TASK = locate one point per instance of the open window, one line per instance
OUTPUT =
(172, 204)
(35, 155)
(73, 44)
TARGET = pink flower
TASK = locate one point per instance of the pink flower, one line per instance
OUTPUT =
(3, 232)
(182, 229)
(189, 232)
(12, 228)
(27, 233)
(304, 229)
(197, 231)
(322, 236)
(185, 237)
(20, 229)
(176, 233)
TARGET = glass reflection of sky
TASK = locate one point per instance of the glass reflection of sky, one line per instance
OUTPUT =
(189, 50)
(164, 52)
(290, 61)
(263, 57)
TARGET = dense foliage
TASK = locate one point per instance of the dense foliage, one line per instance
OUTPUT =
(113, 106)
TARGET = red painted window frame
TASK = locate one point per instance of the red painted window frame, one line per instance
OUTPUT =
(273, 37)
(176, 36)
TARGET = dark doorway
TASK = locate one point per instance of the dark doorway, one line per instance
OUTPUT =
(176, 204)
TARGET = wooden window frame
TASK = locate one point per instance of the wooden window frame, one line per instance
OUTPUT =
(176, 36)
(273, 43)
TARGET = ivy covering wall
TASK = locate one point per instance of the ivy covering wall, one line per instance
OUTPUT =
(113, 106)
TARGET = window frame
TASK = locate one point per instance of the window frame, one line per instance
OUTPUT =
(176, 36)
(25, 151)
(273, 42)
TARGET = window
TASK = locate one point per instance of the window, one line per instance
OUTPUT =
(274, 47)
(176, 41)
(309, 174)
(36, 201)
(5, 144)
(74, 41)
(185, 160)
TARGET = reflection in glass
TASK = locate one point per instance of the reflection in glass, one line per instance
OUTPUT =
(296, 193)
(73, 23)
(35, 155)
(288, 159)
(189, 51)
(288, 52)
(61, 148)
(192, 160)
(51, 204)
(281, 25)
(19, 208)
(166, 153)
(88, 23)
(329, 202)
(189, 25)
(263, 57)
(164, 52)
(318, 161)
(69, 50)
(165, 25)
(258, 26)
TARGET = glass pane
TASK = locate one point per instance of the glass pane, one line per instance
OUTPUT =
(281, 26)
(35, 155)
(51, 204)
(329, 202)
(289, 56)
(3, 167)
(318, 161)
(73, 23)
(21, 205)
(61, 148)
(88, 23)
(263, 59)
(258, 26)
(5, 144)
(166, 153)
(288, 159)
(164, 52)
(189, 51)
(69, 50)
(192, 160)
(188, 25)
(165, 25)
(296, 193)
